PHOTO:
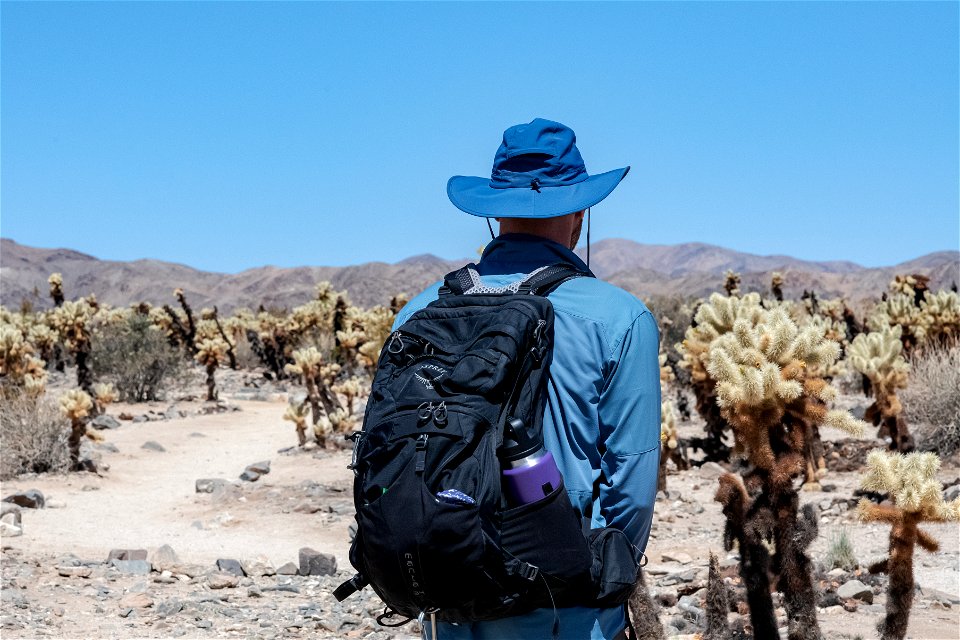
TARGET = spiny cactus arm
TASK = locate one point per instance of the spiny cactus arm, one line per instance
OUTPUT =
(845, 422)
(870, 512)
(927, 542)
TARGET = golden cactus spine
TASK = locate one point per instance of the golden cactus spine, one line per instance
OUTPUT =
(916, 494)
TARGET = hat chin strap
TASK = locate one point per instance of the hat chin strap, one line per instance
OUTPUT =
(588, 237)
(490, 226)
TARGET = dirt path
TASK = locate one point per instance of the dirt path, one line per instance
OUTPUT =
(147, 498)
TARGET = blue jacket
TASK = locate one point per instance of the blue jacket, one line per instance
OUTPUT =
(602, 419)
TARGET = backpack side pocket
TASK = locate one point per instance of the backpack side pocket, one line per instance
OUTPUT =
(616, 565)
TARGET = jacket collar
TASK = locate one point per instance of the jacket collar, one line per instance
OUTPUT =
(523, 253)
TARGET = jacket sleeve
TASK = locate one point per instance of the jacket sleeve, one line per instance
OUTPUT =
(629, 416)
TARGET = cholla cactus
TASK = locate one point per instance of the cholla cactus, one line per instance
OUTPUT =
(297, 414)
(911, 482)
(210, 327)
(776, 285)
(899, 310)
(670, 447)
(56, 288)
(211, 353)
(104, 394)
(76, 405)
(941, 318)
(350, 389)
(711, 320)
(878, 355)
(774, 408)
(44, 339)
(913, 286)
(317, 376)
(73, 321)
(182, 325)
(363, 335)
(731, 283)
(18, 365)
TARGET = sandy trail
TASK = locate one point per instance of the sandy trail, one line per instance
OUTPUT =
(147, 498)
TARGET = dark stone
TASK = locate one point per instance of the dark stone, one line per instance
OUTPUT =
(104, 421)
(168, 608)
(30, 499)
(208, 485)
(283, 587)
(230, 566)
(249, 476)
(314, 563)
(153, 446)
(287, 569)
(829, 599)
(132, 567)
(127, 554)
(262, 467)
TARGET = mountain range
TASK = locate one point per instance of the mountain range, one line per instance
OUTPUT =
(689, 269)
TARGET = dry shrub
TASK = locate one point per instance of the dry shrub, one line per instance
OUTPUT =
(34, 435)
(137, 359)
(932, 399)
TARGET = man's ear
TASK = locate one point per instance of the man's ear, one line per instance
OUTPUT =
(579, 214)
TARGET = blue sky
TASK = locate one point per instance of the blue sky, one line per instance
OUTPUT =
(228, 136)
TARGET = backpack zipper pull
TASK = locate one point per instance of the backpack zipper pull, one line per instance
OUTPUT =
(421, 453)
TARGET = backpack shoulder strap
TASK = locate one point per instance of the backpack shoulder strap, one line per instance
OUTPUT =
(459, 281)
(544, 281)
(539, 282)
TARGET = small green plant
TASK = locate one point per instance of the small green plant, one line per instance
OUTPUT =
(840, 554)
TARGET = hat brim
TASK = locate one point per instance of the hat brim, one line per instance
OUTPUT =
(475, 196)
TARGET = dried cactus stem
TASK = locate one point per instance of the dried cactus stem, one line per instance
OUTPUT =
(644, 612)
(746, 524)
(793, 535)
(899, 568)
(717, 605)
(231, 353)
(211, 380)
(184, 337)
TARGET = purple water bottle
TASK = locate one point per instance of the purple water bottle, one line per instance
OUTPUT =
(529, 471)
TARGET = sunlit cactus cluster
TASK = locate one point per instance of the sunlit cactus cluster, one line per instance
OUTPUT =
(774, 407)
(878, 355)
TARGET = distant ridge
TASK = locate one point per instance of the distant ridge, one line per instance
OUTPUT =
(689, 269)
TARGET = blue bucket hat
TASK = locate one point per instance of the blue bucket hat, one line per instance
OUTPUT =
(537, 173)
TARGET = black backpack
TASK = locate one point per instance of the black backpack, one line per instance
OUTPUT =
(435, 533)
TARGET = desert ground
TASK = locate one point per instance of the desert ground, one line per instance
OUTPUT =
(57, 582)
